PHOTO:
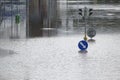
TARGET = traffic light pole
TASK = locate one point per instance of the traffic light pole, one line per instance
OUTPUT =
(85, 13)
(85, 38)
(16, 21)
(67, 15)
(85, 20)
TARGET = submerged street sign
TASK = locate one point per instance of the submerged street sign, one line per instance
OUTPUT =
(91, 32)
(83, 45)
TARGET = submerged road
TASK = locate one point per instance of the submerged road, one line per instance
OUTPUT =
(58, 58)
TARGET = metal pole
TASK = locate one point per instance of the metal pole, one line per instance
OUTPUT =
(49, 16)
(4, 14)
(78, 14)
(11, 19)
(85, 27)
(17, 15)
(56, 14)
(1, 13)
(67, 16)
(27, 18)
(85, 19)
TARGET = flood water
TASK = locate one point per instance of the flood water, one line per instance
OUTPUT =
(56, 56)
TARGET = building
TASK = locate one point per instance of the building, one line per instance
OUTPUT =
(41, 14)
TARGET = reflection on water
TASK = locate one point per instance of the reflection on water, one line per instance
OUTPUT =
(106, 1)
(106, 17)
(94, 1)
(91, 41)
(83, 52)
(5, 53)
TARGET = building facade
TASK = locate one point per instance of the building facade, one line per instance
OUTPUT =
(42, 14)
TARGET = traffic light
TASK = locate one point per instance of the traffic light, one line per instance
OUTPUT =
(80, 12)
(17, 19)
(90, 12)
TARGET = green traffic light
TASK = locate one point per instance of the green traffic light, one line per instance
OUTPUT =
(17, 19)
